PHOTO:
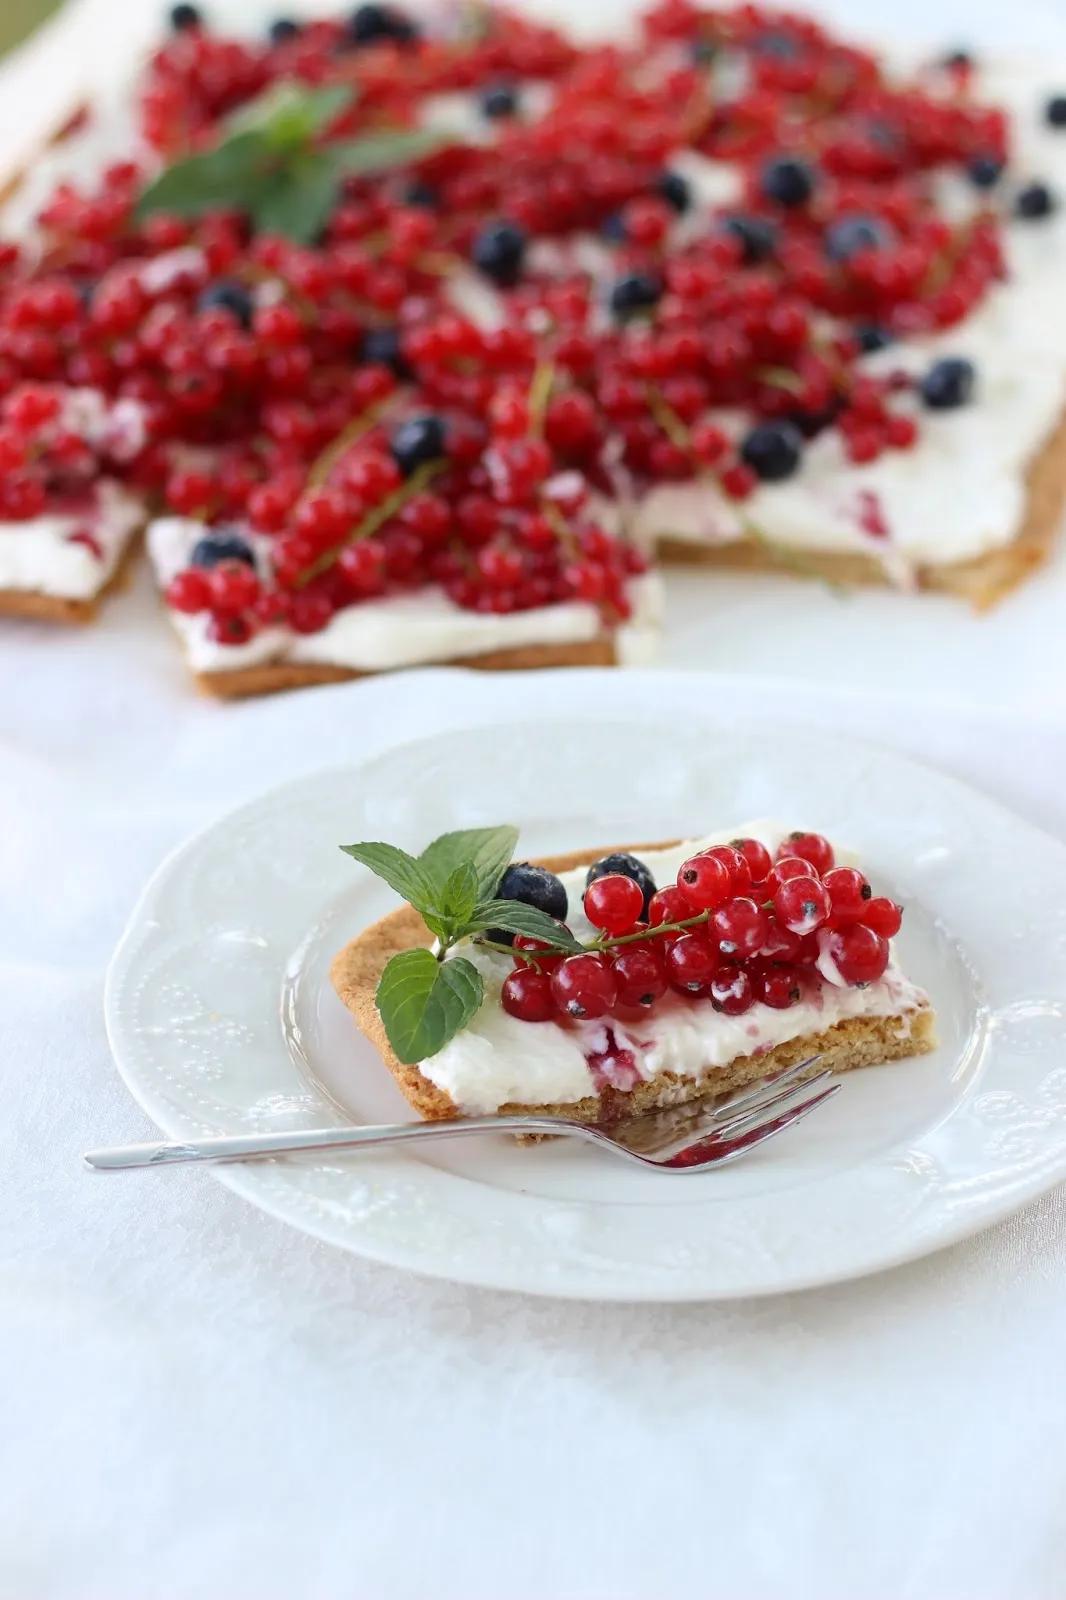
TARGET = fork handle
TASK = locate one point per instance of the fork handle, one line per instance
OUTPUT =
(251, 1146)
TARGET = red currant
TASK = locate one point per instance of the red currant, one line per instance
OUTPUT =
(546, 962)
(527, 995)
(859, 954)
(883, 916)
(756, 856)
(802, 905)
(188, 591)
(779, 985)
(704, 881)
(732, 989)
(691, 962)
(613, 903)
(849, 894)
(740, 927)
(736, 865)
(812, 847)
(233, 586)
(782, 871)
(638, 971)
(584, 986)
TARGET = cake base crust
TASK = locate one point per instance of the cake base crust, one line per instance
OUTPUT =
(35, 606)
(982, 581)
(274, 675)
(852, 1042)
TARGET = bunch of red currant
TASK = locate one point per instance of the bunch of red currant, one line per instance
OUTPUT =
(737, 927)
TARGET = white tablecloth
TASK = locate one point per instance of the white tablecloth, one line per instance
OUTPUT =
(201, 1402)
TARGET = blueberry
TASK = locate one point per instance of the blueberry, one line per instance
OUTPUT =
(757, 236)
(381, 347)
(959, 59)
(1055, 111)
(499, 251)
(416, 441)
(812, 423)
(850, 235)
(420, 194)
(613, 228)
(675, 190)
(636, 292)
(773, 450)
(984, 172)
(871, 337)
(372, 23)
(184, 17)
(499, 100)
(629, 867)
(701, 52)
(221, 546)
(1034, 202)
(788, 181)
(226, 294)
(777, 44)
(282, 30)
(948, 383)
(533, 886)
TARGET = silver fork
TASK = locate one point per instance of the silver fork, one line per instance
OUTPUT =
(687, 1138)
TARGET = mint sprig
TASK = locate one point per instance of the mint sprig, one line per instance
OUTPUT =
(272, 165)
(423, 999)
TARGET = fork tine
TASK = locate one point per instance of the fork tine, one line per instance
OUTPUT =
(714, 1150)
(762, 1091)
(755, 1113)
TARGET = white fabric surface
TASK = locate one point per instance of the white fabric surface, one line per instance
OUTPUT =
(200, 1402)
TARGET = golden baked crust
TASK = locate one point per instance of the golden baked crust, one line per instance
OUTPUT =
(38, 607)
(853, 1042)
(273, 675)
(983, 580)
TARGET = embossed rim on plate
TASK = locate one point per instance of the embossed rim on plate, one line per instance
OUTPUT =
(198, 1069)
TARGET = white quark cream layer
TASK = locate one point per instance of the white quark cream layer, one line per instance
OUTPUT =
(403, 630)
(498, 1060)
(960, 492)
(44, 556)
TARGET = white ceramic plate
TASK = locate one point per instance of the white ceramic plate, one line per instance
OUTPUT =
(222, 1019)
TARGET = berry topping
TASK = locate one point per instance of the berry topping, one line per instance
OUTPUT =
(801, 905)
(859, 955)
(984, 172)
(788, 181)
(584, 986)
(214, 548)
(527, 995)
(756, 856)
(499, 100)
(381, 346)
(848, 894)
(183, 18)
(883, 916)
(499, 252)
(374, 24)
(417, 441)
(227, 295)
(732, 989)
(779, 986)
(668, 905)
(640, 974)
(614, 903)
(704, 881)
(634, 294)
(282, 29)
(675, 190)
(1055, 111)
(948, 383)
(812, 847)
(691, 962)
(756, 236)
(870, 337)
(850, 236)
(1034, 202)
(541, 955)
(533, 886)
(773, 450)
(784, 870)
(739, 927)
(629, 867)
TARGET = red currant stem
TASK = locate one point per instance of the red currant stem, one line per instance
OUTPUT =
(942, 267)
(561, 526)
(374, 519)
(437, 263)
(594, 946)
(327, 459)
(667, 418)
(540, 390)
(780, 378)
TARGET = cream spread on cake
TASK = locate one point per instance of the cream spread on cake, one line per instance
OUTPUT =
(70, 554)
(497, 1059)
(401, 630)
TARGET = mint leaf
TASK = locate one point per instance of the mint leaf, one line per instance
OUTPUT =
(297, 201)
(460, 895)
(401, 872)
(288, 114)
(516, 917)
(488, 850)
(218, 177)
(424, 1002)
(376, 152)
